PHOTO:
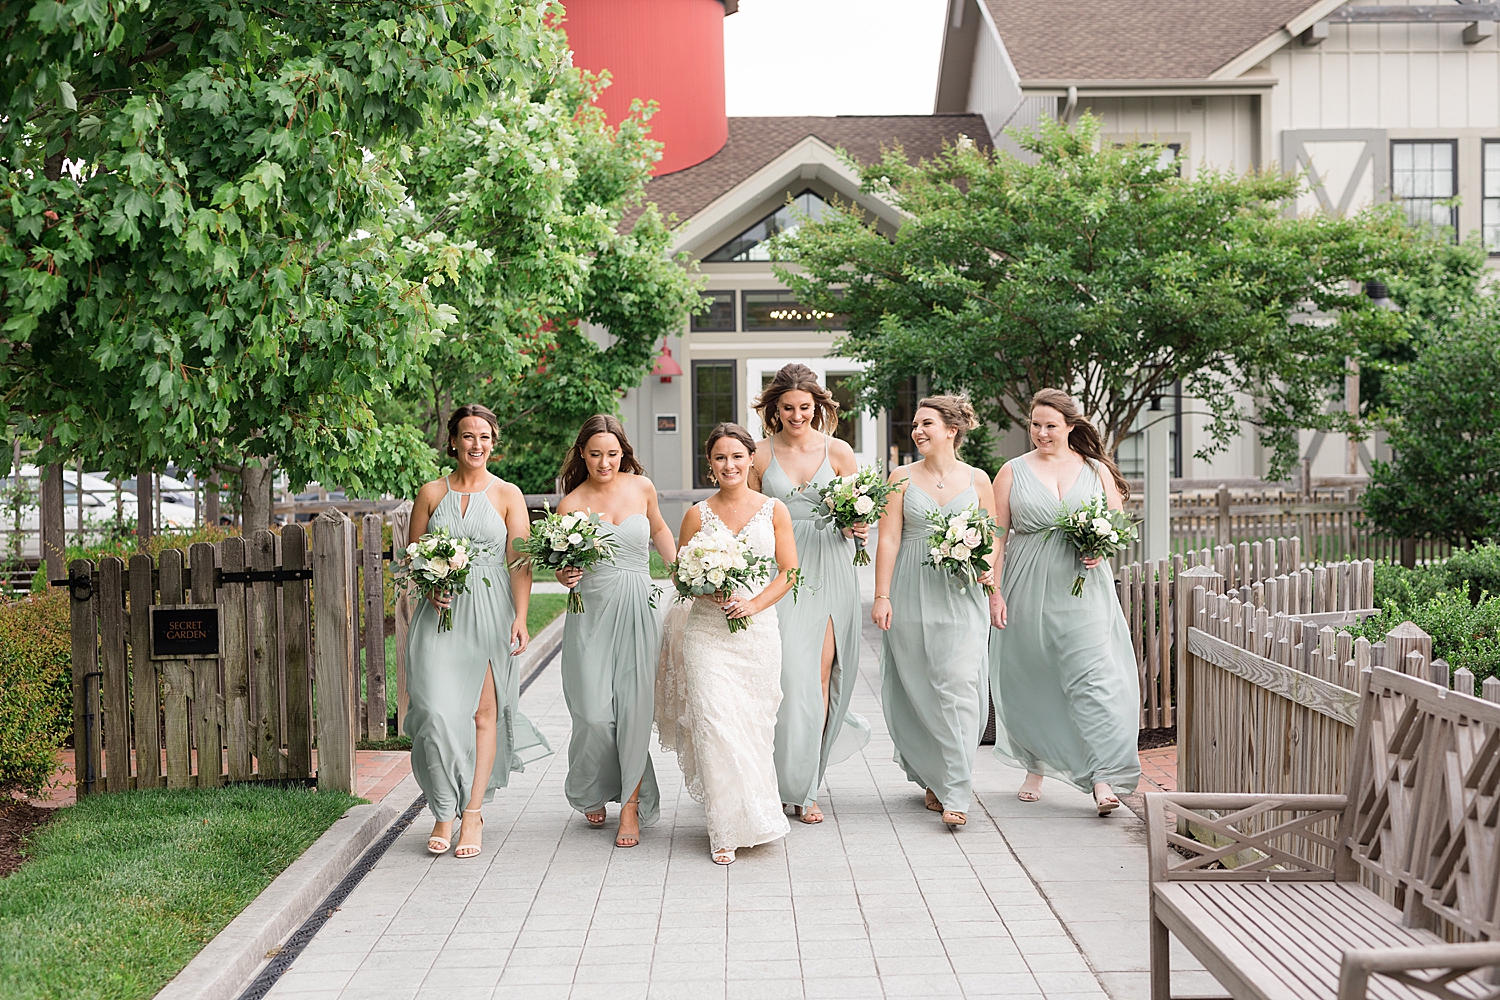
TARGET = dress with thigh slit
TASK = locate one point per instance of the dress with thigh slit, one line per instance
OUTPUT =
(808, 737)
(1067, 695)
(609, 656)
(934, 679)
(445, 670)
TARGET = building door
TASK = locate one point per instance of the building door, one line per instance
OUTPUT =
(857, 429)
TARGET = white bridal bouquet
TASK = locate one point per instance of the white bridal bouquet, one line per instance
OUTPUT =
(1095, 531)
(959, 543)
(713, 563)
(559, 540)
(438, 563)
(857, 499)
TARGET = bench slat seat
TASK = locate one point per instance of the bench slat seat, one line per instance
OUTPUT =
(1268, 890)
(1288, 939)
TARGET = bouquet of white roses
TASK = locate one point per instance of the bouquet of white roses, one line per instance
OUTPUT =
(713, 563)
(857, 499)
(959, 542)
(1095, 531)
(438, 563)
(559, 540)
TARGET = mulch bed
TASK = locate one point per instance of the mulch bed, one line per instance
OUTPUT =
(17, 820)
(1152, 739)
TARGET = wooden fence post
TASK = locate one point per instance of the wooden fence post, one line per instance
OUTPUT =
(177, 683)
(265, 658)
(235, 655)
(83, 625)
(294, 614)
(113, 687)
(374, 598)
(145, 684)
(1187, 583)
(1403, 640)
(334, 654)
(208, 686)
(400, 538)
(1223, 532)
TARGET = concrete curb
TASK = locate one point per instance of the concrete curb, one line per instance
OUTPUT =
(223, 969)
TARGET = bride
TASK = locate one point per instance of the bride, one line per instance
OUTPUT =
(717, 693)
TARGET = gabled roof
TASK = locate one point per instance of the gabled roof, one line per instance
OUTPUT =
(755, 142)
(1135, 39)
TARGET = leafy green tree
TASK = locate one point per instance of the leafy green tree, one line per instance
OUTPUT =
(1098, 269)
(564, 307)
(1444, 430)
(196, 255)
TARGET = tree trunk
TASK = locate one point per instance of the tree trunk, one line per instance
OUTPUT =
(145, 506)
(54, 533)
(211, 501)
(255, 495)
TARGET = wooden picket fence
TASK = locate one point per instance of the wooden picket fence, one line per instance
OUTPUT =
(280, 701)
(1268, 574)
(1270, 700)
(1330, 523)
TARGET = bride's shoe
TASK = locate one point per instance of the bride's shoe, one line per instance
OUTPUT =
(596, 818)
(953, 819)
(1106, 803)
(724, 856)
(469, 850)
(811, 815)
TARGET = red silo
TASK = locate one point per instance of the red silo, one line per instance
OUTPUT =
(668, 51)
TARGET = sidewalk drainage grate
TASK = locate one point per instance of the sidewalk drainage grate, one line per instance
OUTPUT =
(303, 935)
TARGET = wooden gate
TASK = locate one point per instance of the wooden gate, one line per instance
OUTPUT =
(278, 700)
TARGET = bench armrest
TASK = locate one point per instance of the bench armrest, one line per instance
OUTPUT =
(1442, 963)
(1230, 825)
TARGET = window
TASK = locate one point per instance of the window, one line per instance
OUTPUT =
(720, 315)
(1491, 221)
(898, 427)
(848, 429)
(1424, 178)
(751, 244)
(713, 403)
(782, 311)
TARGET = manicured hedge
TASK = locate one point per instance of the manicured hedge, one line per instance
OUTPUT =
(36, 698)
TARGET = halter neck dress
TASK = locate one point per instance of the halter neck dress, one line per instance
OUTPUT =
(445, 670)
(808, 737)
(934, 680)
(609, 657)
(1067, 696)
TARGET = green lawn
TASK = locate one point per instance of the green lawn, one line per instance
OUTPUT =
(121, 891)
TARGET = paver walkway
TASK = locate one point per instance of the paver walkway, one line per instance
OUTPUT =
(879, 901)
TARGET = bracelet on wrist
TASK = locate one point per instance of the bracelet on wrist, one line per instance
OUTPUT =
(882, 597)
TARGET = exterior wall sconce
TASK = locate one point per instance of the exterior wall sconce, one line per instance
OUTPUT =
(665, 365)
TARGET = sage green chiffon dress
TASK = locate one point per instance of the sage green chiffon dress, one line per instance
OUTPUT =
(808, 737)
(1067, 696)
(445, 671)
(934, 675)
(609, 655)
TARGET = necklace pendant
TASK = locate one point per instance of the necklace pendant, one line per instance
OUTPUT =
(939, 485)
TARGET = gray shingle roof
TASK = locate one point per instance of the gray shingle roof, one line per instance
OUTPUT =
(1133, 39)
(755, 142)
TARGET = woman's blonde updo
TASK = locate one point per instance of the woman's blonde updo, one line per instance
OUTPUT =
(957, 412)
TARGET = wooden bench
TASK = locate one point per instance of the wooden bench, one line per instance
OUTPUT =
(1272, 897)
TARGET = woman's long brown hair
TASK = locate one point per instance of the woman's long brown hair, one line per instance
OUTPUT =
(575, 473)
(794, 378)
(1084, 437)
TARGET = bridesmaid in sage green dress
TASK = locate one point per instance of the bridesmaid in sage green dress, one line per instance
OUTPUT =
(934, 676)
(1067, 694)
(820, 629)
(463, 683)
(609, 652)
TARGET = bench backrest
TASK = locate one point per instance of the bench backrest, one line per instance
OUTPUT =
(1424, 799)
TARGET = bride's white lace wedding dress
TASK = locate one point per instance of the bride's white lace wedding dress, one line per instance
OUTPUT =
(716, 701)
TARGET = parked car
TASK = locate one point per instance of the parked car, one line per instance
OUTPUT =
(93, 519)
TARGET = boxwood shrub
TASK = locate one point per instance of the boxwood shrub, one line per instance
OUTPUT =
(36, 692)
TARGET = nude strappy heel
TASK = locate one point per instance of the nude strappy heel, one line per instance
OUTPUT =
(473, 849)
